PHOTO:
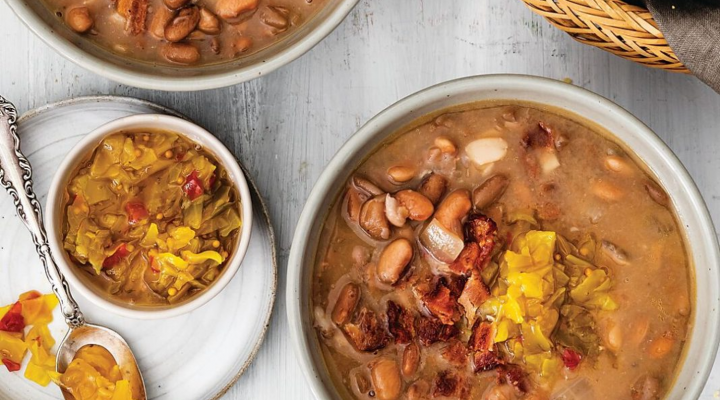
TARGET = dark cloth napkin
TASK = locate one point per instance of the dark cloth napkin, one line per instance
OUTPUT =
(692, 28)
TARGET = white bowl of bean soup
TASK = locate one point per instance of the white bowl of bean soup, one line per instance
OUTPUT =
(182, 45)
(505, 237)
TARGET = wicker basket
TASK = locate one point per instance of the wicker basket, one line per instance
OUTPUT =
(613, 25)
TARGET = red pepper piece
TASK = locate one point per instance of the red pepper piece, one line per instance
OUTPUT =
(11, 365)
(13, 321)
(571, 358)
(116, 257)
(193, 186)
(136, 212)
(152, 265)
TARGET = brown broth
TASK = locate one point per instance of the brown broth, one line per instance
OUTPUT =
(238, 37)
(653, 290)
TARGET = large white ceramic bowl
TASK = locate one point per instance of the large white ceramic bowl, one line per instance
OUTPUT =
(586, 106)
(55, 205)
(90, 56)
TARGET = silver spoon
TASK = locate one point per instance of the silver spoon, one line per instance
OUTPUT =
(16, 173)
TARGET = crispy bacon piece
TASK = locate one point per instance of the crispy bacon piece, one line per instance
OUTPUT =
(481, 343)
(481, 338)
(401, 323)
(538, 136)
(442, 300)
(455, 353)
(467, 260)
(430, 330)
(448, 384)
(483, 231)
(485, 361)
(135, 12)
(367, 333)
(513, 375)
(473, 295)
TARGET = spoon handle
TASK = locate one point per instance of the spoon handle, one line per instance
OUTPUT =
(16, 173)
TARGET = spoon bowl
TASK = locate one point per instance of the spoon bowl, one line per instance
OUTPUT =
(16, 178)
(95, 335)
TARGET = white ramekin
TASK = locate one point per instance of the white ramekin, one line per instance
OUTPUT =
(578, 103)
(54, 207)
(92, 57)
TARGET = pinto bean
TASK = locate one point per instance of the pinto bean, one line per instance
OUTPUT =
(242, 44)
(639, 329)
(183, 24)
(209, 22)
(175, 4)
(400, 174)
(452, 209)
(395, 213)
(181, 53)
(617, 164)
(433, 187)
(607, 191)
(419, 207)
(373, 219)
(346, 303)
(386, 379)
(354, 204)
(161, 18)
(656, 194)
(445, 145)
(393, 260)
(615, 337)
(661, 346)
(235, 10)
(79, 19)
(276, 17)
(410, 360)
(489, 191)
(366, 186)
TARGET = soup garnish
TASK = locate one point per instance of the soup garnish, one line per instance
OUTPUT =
(502, 253)
(151, 217)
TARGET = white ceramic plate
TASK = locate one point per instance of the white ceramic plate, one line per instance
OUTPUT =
(196, 356)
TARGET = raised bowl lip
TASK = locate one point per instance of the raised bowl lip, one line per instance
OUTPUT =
(698, 368)
(148, 121)
(181, 84)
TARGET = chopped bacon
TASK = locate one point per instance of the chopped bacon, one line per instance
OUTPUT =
(473, 296)
(571, 358)
(367, 333)
(455, 353)
(11, 365)
(481, 343)
(430, 330)
(136, 14)
(13, 320)
(483, 231)
(467, 260)
(442, 300)
(485, 361)
(538, 136)
(193, 187)
(401, 323)
(481, 338)
(513, 375)
(116, 257)
(448, 384)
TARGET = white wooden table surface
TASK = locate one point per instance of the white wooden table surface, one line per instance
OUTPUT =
(286, 126)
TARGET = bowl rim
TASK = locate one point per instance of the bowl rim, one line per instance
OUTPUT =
(149, 121)
(126, 76)
(302, 334)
